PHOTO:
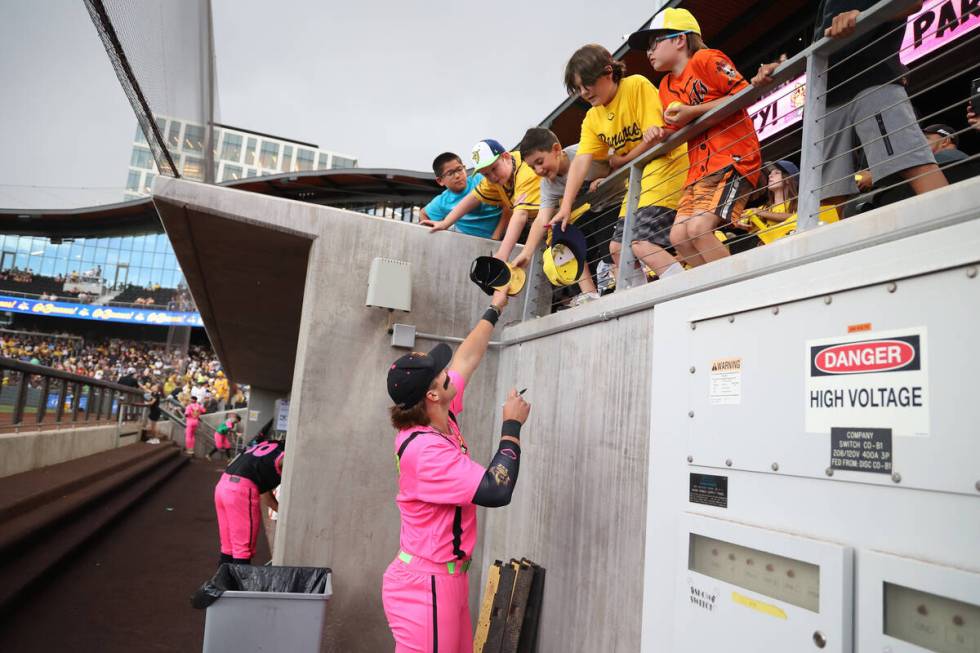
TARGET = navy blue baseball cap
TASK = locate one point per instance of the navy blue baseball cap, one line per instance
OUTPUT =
(787, 166)
(410, 376)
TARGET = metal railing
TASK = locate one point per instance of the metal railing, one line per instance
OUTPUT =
(812, 131)
(34, 397)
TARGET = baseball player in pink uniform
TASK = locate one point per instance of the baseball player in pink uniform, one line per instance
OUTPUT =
(256, 472)
(193, 414)
(425, 590)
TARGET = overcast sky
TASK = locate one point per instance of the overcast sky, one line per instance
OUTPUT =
(391, 83)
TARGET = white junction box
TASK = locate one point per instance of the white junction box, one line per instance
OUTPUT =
(390, 284)
(821, 420)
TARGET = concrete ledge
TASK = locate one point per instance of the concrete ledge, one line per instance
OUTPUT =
(937, 210)
(22, 452)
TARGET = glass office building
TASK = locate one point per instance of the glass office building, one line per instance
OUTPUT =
(238, 153)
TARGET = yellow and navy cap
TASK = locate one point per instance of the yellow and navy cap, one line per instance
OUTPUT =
(671, 19)
(564, 261)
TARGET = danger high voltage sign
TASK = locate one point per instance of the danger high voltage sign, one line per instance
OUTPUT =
(867, 379)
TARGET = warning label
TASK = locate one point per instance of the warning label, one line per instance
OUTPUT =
(726, 382)
(709, 490)
(861, 450)
(868, 378)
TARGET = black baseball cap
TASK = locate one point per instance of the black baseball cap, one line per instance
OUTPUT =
(411, 375)
(943, 130)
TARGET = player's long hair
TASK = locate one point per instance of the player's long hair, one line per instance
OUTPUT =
(403, 418)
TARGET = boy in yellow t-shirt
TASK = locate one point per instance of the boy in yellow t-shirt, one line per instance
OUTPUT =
(508, 182)
(622, 109)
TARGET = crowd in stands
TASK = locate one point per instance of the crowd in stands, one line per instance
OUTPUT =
(135, 363)
(46, 288)
(709, 197)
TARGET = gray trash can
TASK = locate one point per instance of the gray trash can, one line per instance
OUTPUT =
(268, 609)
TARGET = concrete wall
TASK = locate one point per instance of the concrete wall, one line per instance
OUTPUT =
(22, 452)
(580, 502)
(338, 491)
(261, 406)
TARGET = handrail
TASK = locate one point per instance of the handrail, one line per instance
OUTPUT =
(41, 370)
(870, 19)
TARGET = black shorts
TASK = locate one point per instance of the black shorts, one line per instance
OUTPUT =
(651, 223)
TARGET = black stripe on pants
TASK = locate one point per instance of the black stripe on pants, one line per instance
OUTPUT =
(435, 618)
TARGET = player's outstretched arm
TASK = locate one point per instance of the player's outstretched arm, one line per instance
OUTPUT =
(470, 353)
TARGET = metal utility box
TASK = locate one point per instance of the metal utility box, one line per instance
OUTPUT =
(911, 606)
(390, 284)
(752, 589)
(825, 417)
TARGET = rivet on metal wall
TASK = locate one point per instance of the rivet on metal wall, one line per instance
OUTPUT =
(692, 369)
(892, 287)
(775, 310)
(728, 462)
(977, 485)
(896, 477)
(775, 467)
(690, 459)
(819, 639)
(829, 471)
(731, 318)
(971, 272)
(828, 299)
(690, 413)
(693, 326)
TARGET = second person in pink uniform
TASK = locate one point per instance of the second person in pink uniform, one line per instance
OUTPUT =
(193, 414)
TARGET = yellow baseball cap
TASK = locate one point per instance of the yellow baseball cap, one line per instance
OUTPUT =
(668, 20)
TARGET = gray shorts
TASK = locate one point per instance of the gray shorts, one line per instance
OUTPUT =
(889, 135)
(651, 223)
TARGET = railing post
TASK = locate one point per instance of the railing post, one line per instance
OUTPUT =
(76, 399)
(88, 402)
(62, 394)
(531, 287)
(20, 397)
(42, 404)
(812, 154)
(626, 259)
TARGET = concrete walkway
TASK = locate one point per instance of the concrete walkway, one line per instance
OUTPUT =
(130, 589)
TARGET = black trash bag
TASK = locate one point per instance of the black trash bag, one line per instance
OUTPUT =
(246, 578)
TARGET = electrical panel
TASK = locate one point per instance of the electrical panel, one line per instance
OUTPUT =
(748, 589)
(911, 606)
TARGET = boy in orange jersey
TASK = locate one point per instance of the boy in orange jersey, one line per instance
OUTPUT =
(725, 160)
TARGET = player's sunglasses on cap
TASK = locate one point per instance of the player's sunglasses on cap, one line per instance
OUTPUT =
(492, 274)
(410, 377)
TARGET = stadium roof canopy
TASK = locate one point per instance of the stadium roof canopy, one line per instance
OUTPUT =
(332, 187)
(750, 32)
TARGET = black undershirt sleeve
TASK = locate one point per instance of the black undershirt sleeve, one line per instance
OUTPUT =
(497, 484)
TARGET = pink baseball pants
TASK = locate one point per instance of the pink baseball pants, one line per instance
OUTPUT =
(236, 500)
(427, 608)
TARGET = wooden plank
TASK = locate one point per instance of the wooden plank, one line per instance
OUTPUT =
(524, 575)
(486, 607)
(499, 611)
(528, 642)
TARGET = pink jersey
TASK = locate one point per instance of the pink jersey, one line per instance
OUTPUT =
(436, 484)
(193, 411)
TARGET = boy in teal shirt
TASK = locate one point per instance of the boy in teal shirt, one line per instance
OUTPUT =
(451, 175)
